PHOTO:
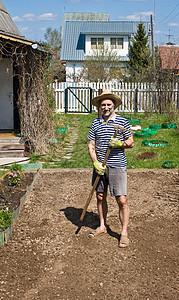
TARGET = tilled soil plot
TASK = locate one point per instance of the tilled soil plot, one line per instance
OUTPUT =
(46, 260)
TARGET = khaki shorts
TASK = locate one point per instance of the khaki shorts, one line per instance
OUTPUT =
(115, 178)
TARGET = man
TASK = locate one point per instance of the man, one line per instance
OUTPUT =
(114, 174)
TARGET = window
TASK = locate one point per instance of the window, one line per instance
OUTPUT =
(97, 43)
(116, 43)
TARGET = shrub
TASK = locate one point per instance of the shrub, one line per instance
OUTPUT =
(5, 218)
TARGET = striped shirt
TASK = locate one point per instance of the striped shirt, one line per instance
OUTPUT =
(101, 134)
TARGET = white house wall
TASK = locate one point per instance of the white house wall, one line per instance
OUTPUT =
(72, 70)
(120, 52)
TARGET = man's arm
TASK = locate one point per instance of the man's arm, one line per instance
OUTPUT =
(128, 143)
(91, 149)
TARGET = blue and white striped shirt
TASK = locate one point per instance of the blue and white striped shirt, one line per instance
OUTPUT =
(101, 134)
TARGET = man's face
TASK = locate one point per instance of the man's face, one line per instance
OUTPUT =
(107, 107)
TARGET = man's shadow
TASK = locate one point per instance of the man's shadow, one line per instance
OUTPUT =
(91, 220)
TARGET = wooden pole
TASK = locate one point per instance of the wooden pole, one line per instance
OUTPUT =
(153, 50)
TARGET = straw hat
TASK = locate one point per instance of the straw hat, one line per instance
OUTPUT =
(106, 94)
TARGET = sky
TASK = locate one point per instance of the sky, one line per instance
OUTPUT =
(33, 17)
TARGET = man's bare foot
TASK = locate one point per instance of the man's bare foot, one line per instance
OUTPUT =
(97, 232)
(124, 241)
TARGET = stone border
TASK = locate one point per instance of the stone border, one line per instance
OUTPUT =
(6, 234)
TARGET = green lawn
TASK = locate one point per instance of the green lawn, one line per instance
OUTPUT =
(80, 157)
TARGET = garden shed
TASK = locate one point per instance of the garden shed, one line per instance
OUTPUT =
(17, 57)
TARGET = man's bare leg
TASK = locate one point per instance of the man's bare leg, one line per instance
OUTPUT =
(123, 213)
(102, 209)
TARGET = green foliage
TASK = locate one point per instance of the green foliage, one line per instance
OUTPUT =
(5, 218)
(102, 65)
(139, 54)
(53, 46)
(16, 167)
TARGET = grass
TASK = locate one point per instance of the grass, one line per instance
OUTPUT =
(80, 157)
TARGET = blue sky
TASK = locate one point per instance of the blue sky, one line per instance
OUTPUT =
(33, 17)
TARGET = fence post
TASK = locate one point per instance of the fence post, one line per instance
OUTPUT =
(99, 93)
(90, 100)
(136, 101)
(66, 100)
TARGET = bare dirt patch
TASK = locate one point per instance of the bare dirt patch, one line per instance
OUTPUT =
(147, 154)
(46, 260)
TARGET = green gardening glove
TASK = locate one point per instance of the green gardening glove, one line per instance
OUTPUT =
(99, 168)
(115, 143)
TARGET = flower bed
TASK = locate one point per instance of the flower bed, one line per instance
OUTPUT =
(12, 198)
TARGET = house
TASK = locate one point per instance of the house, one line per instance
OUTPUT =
(80, 38)
(12, 43)
(169, 56)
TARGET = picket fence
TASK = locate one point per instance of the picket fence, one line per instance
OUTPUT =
(75, 97)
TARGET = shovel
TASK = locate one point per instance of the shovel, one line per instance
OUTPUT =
(96, 182)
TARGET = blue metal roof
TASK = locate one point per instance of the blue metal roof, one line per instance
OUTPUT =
(73, 43)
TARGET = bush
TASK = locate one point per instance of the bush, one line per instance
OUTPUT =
(5, 218)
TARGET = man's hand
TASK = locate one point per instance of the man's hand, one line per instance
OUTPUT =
(99, 168)
(115, 143)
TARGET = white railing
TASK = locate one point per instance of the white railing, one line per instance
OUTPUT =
(135, 96)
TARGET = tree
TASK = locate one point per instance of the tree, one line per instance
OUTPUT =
(139, 55)
(53, 46)
(102, 65)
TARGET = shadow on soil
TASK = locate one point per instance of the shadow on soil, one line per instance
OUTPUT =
(91, 220)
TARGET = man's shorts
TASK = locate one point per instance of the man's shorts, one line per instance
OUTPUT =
(115, 178)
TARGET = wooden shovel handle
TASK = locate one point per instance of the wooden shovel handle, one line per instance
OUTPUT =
(97, 179)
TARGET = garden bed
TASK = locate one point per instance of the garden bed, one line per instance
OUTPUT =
(10, 195)
(12, 198)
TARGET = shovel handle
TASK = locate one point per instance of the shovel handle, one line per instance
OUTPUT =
(97, 178)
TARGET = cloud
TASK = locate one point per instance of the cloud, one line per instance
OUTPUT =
(17, 19)
(137, 16)
(34, 18)
(173, 24)
(47, 17)
(25, 29)
(29, 17)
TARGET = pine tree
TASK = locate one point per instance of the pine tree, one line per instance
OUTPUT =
(139, 54)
